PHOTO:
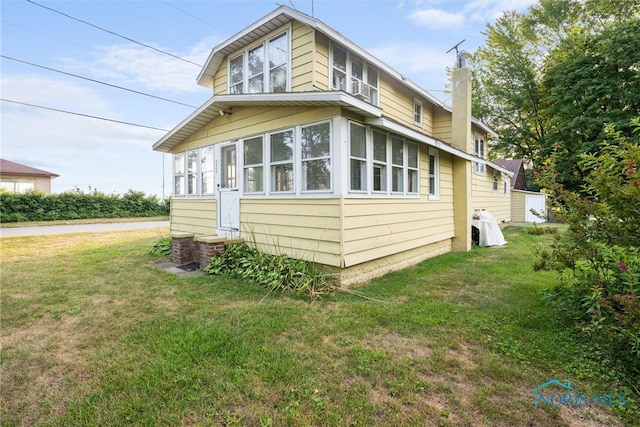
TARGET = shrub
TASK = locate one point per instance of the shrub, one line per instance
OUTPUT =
(274, 272)
(599, 258)
(162, 247)
(76, 204)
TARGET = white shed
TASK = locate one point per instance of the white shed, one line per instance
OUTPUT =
(524, 202)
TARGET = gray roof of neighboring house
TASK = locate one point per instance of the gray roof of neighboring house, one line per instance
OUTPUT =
(12, 168)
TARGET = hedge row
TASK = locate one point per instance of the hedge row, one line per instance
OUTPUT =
(36, 206)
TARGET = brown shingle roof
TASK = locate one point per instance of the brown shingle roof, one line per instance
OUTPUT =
(12, 168)
(518, 182)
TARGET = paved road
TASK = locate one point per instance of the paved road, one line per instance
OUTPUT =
(79, 228)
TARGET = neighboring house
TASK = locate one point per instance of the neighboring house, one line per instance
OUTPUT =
(526, 206)
(515, 166)
(17, 178)
(312, 147)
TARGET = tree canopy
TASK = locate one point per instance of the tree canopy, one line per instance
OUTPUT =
(551, 79)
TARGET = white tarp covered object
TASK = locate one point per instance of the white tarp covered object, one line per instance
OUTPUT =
(489, 230)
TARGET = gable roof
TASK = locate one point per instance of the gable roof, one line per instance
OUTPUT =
(11, 168)
(283, 15)
(517, 167)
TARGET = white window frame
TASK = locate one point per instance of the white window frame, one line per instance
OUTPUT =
(364, 182)
(383, 164)
(434, 175)
(203, 170)
(418, 111)
(507, 184)
(479, 149)
(192, 174)
(370, 77)
(293, 161)
(495, 181)
(265, 43)
(246, 166)
(328, 157)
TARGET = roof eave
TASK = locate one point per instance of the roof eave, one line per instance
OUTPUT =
(223, 103)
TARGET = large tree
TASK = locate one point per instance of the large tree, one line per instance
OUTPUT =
(590, 81)
(521, 84)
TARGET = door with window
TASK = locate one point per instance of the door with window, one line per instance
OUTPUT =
(228, 192)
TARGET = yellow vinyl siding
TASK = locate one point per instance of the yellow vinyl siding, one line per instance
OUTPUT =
(518, 206)
(321, 78)
(302, 228)
(302, 58)
(196, 216)
(397, 104)
(375, 228)
(442, 125)
(483, 196)
(249, 121)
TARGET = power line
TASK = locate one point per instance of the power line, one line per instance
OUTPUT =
(187, 13)
(82, 115)
(113, 33)
(95, 81)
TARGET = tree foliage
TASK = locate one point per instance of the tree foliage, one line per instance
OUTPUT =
(554, 76)
(599, 257)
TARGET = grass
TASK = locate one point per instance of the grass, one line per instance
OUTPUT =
(92, 335)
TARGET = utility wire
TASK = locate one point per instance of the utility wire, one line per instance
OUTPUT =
(187, 13)
(113, 33)
(95, 81)
(82, 115)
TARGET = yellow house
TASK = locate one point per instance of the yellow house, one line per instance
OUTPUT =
(312, 147)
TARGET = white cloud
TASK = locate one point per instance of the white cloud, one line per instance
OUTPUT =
(436, 18)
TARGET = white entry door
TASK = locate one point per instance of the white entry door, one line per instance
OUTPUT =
(228, 192)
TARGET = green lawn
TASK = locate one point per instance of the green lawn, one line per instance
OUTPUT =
(93, 335)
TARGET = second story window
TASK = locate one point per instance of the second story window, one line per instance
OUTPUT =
(353, 75)
(263, 68)
(417, 112)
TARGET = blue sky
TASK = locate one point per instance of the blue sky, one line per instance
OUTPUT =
(410, 36)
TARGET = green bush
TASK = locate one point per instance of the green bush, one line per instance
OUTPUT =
(36, 206)
(599, 257)
(274, 272)
(162, 247)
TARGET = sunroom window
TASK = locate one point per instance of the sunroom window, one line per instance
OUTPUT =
(397, 161)
(178, 174)
(253, 165)
(358, 153)
(206, 171)
(192, 172)
(262, 68)
(281, 146)
(316, 157)
(379, 161)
